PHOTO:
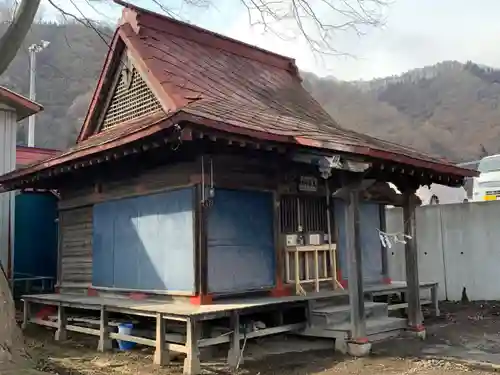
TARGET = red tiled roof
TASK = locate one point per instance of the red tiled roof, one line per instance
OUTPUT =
(105, 140)
(232, 82)
(204, 77)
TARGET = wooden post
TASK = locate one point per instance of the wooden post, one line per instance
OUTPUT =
(316, 270)
(385, 261)
(435, 300)
(61, 333)
(105, 342)
(26, 314)
(201, 235)
(162, 356)
(297, 270)
(355, 268)
(234, 348)
(278, 248)
(411, 257)
(192, 361)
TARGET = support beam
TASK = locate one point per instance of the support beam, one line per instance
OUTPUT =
(201, 263)
(192, 360)
(233, 356)
(105, 342)
(385, 261)
(26, 314)
(411, 257)
(355, 268)
(62, 322)
(162, 355)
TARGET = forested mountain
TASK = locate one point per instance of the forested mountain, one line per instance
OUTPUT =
(67, 72)
(450, 109)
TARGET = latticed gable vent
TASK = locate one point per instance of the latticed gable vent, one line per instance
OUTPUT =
(131, 99)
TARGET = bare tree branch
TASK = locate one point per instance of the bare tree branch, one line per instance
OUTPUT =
(317, 22)
(13, 38)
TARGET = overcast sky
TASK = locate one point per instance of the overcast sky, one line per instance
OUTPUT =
(416, 33)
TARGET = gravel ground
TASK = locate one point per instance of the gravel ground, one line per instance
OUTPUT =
(461, 327)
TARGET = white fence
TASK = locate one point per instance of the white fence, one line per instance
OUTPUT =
(458, 246)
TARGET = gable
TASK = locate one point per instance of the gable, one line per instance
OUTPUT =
(129, 97)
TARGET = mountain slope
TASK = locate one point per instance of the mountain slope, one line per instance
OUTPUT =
(449, 109)
(67, 72)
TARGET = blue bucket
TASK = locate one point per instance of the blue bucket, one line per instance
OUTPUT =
(125, 329)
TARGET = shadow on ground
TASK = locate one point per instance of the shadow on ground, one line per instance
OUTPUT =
(465, 331)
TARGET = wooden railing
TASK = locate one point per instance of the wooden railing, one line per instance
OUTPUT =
(311, 265)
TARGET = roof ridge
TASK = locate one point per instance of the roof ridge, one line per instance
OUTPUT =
(286, 62)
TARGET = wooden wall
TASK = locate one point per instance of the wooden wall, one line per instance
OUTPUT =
(8, 128)
(75, 257)
(76, 212)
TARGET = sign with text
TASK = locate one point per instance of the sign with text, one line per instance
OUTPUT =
(308, 183)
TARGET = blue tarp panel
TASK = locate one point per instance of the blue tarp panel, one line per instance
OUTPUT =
(241, 253)
(370, 242)
(145, 243)
(35, 235)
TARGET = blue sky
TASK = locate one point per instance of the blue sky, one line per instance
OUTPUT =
(416, 33)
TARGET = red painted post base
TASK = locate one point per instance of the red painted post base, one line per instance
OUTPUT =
(341, 281)
(92, 292)
(417, 331)
(280, 291)
(46, 312)
(416, 328)
(387, 280)
(136, 296)
(201, 299)
(360, 340)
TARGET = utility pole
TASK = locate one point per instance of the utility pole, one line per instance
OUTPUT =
(33, 50)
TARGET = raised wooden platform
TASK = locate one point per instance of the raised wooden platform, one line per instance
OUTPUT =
(192, 317)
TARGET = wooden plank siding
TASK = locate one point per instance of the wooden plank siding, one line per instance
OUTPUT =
(144, 182)
(75, 256)
(76, 213)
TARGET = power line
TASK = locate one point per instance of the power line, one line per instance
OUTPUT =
(87, 22)
(90, 24)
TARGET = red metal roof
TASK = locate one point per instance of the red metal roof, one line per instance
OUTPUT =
(28, 155)
(23, 106)
(219, 82)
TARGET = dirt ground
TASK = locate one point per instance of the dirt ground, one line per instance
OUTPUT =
(463, 333)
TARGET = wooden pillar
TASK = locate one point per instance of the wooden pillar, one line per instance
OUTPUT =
(192, 361)
(105, 342)
(234, 345)
(411, 258)
(26, 314)
(201, 260)
(61, 333)
(355, 268)
(385, 261)
(162, 356)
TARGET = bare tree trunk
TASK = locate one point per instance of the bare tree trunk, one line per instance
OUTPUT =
(13, 38)
(13, 355)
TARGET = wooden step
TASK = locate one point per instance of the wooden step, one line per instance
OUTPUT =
(401, 306)
(377, 329)
(337, 314)
(373, 326)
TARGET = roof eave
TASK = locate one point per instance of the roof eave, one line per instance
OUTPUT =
(181, 116)
(23, 106)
